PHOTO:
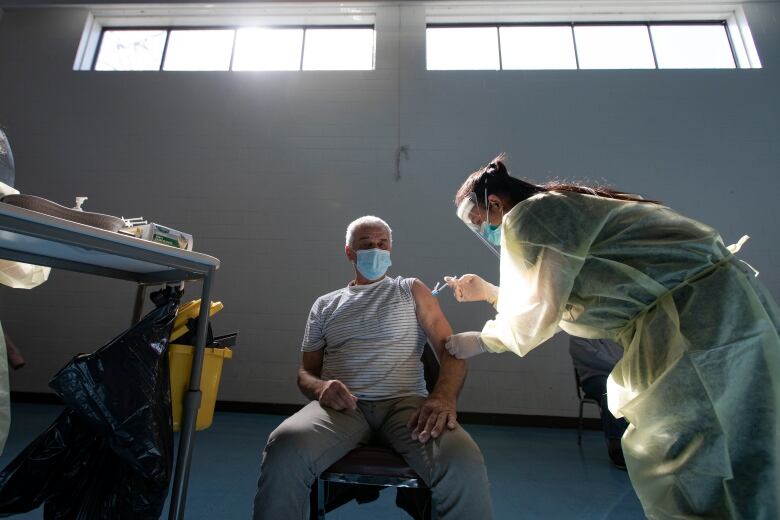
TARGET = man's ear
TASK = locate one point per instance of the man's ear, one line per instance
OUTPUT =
(351, 255)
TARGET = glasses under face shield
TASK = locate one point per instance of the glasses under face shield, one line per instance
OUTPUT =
(468, 213)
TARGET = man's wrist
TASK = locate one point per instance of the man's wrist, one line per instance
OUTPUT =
(445, 393)
(318, 388)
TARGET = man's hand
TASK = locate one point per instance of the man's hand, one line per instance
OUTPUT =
(335, 394)
(434, 414)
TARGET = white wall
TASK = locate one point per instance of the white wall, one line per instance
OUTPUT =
(267, 169)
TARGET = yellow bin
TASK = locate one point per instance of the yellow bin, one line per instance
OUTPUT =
(180, 358)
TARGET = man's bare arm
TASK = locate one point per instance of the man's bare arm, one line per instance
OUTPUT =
(331, 393)
(439, 410)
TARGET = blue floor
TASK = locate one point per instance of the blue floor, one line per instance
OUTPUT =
(534, 472)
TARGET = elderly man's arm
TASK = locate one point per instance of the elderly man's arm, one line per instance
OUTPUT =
(331, 393)
(439, 410)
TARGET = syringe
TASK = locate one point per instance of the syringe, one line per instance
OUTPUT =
(436, 289)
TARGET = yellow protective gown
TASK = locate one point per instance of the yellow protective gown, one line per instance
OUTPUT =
(699, 381)
(18, 276)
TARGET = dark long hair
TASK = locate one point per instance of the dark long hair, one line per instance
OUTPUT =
(494, 179)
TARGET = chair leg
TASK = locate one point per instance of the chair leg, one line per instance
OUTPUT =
(317, 500)
(320, 499)
(579, 427)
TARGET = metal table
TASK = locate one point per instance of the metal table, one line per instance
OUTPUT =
(35, 238)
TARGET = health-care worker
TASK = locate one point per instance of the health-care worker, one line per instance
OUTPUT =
(12, 274)
(699, 381)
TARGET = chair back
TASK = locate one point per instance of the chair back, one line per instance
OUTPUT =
(430, 367)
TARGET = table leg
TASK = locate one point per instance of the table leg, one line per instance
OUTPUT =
(191, 405)
(138, 308)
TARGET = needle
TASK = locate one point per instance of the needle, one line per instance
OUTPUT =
(436, 289)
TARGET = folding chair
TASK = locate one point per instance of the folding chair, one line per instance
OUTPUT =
(375, 465)
(583, 400)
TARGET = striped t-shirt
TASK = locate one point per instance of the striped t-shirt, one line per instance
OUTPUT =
(371, 337)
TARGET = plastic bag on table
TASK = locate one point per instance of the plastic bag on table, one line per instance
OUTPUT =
(109, 455)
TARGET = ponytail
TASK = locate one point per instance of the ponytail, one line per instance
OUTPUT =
(494, 179)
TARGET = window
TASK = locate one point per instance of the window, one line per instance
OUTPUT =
(338, 49)
(205, 49)
(568, 35)
(268, 49)
(473, 48)
(614, 47)
(537, 47)
(580, 46)
(239, 49)
(131, 50)
(692, 47)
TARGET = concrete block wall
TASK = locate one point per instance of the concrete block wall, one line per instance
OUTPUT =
(267, 169)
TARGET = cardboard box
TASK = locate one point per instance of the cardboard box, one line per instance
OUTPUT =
(161, 234)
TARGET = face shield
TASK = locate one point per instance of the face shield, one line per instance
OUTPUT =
(468, 212)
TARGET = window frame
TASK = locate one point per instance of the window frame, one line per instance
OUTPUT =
(234, 17)
(592, 23)
(622, 12)
(233, 28)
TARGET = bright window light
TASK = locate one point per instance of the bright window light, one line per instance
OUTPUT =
(208, 49)
(462, 48)
(614, 47)
(535, 48)
(268, 49)
(692, 47)
(338, 49)
(131, 50)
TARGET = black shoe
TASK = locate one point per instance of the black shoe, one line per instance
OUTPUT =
(616, 454)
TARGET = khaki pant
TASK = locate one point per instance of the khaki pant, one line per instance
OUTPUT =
(310, 441)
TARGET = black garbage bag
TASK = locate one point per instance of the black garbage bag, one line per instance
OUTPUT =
(109, 454)
(52, 462)
(123, 391)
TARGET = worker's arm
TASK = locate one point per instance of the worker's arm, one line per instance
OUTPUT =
(439, 409)
(331, 393)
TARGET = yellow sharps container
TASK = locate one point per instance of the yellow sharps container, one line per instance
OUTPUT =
(180, 360)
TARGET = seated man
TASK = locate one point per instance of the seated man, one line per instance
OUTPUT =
(361, 368)
(594, 359)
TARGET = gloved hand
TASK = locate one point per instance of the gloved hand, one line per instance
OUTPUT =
(465, 345)
(22, 276)
(472, 288)
(5, 189)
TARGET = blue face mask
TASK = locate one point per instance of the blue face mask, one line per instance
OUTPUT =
(373, 263)
(492, 234)
(488, 231)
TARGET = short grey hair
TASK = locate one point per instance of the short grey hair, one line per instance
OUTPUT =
(367, 221)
